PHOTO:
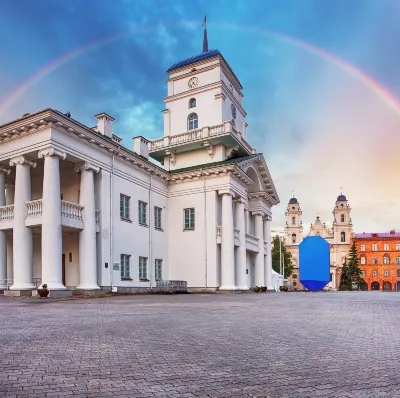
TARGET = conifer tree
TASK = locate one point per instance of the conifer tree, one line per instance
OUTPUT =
(351, 273)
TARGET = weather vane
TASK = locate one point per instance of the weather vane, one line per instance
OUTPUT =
(205, 39)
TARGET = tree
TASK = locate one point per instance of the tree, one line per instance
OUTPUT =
(286, 257)
(351, 273)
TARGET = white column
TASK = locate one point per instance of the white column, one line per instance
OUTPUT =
(268, 257)
(3, 237)
(247, 220)
(241, 277)
(259, 263)
(51, 219)
(87, 237)
(22, 236)
(227, 244)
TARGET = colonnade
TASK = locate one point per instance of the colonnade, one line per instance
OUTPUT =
(233, 273)
(51, 224)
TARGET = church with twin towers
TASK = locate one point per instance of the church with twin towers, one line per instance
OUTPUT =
(338, 236)
(80, 211)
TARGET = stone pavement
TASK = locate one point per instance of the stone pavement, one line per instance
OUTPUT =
(254, 345)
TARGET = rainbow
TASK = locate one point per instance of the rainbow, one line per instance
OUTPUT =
(368, 81)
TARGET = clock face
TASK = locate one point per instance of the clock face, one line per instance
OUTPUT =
(233, 109)
(193, 82)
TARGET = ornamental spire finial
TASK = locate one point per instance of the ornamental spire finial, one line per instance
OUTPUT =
(205, 39)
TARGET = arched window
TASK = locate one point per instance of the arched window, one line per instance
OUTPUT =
(343, 236)
(293, 238)
(293, 220)
(362, 260)
(193, 121)
(192, 103)
(386, 259)
(342, 217)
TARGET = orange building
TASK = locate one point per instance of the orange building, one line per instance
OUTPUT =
(379, 255)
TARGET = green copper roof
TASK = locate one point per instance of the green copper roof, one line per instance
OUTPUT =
(215, 164)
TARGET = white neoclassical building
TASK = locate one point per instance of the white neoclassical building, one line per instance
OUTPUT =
(80, 211)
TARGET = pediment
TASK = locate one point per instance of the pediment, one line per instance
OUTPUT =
(257, 170)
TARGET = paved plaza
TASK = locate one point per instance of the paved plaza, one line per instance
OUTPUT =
(342, 344)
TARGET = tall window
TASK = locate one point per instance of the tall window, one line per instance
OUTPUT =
(293, 238)
(142, 213)
(158, 270)
(386, 259)
(386, 246)
(375, 273)
(386, 272)
(397, 246)
(362, 260)
(375, 260)
(342, 217)
(343, 236)
(157, 217)
(193, 121)
(142, 267)
(293, 220)
(124, 206)
(192, 103)
(125, 266)
(397, 260)
(374, 247)
(362, 248)
(189, 218)
(362, 272)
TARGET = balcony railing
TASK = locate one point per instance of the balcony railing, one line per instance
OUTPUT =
(71, 210)
(236, 233)
(186, 137)
(157, 144)
(252, 239)
(217, 130)
(7, 213)
(34, 208)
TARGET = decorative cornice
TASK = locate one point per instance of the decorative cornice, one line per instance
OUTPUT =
(220, 95)
(5, 171)
(164, 111)
(86, 166)
(50, 151)
(19, 160)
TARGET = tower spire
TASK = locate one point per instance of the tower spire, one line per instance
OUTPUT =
(205, 39)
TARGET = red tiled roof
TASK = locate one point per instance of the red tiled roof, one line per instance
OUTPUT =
(378, 235)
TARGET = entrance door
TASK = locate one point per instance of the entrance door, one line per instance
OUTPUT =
(63, 269)
(375, 286)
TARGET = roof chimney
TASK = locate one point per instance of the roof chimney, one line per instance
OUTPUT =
(104, 124)
(141, 146)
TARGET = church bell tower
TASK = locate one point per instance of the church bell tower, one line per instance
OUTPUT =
(342, 223)
(294, 224)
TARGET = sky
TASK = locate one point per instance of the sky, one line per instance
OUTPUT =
(321, 83)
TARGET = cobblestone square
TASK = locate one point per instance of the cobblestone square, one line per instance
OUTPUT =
(342, 344)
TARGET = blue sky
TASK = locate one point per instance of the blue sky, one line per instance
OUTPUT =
(319, 127)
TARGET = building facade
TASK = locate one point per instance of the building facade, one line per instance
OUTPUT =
(379, 255)
(78, 210)
(338, 237)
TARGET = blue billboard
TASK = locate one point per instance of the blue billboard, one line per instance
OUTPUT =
(314, 263)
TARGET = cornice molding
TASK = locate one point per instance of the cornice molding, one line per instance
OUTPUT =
(86, 166)
(21, 160)
(51, 151)
(226, 191)
(191, 93)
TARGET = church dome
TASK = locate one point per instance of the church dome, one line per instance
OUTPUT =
(341, 197)
(293, 201)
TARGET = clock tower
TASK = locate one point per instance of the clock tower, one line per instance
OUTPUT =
(204, 118)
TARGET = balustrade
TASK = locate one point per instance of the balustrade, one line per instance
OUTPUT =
(157, 144)
(7, 213)
(71, 210)
(252, 239)
(35, 208)
(216, 130)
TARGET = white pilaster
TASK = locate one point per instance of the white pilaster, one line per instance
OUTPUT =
(268, 254)
(241, 277)
(3, 237)
(22, 236)
(259, 260)
(51, 219)
(227, 244)
(87, 237)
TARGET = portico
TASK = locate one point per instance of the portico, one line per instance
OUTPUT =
(32, 209)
